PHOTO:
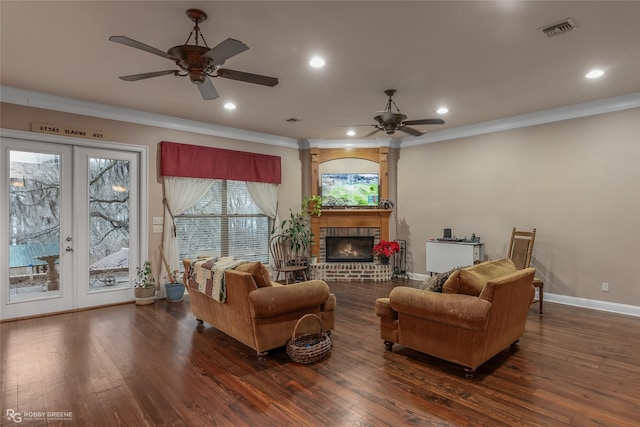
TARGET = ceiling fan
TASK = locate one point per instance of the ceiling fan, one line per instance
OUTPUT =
(389, 122)
(198, 62)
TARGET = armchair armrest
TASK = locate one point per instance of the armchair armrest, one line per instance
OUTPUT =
(272, 301)
(464, 311)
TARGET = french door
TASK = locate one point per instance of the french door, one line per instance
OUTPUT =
(70, 225)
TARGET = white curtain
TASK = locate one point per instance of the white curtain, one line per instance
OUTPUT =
(265, 196)
(180, 194)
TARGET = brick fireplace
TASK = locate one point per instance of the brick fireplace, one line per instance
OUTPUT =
(345, 223)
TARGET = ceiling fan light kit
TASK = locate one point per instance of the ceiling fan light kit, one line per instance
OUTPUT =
(198, 62)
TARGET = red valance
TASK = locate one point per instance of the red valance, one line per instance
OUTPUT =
(194, 161)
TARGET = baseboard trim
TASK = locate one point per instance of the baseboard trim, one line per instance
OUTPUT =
(612, 307)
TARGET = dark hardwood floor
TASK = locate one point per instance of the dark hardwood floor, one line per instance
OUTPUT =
(150, 365)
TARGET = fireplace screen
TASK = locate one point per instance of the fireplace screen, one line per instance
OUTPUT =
(349, 249)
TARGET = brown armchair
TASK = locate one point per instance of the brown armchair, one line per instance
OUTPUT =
(482, 310)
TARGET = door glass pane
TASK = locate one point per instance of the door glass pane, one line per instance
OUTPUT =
(109, 208)
(34, 225)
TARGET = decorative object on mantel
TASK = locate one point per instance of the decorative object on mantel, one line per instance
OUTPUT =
(145, 285)
(385, 204)
(385, 249)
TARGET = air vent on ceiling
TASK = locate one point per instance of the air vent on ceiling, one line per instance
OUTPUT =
(558, 28)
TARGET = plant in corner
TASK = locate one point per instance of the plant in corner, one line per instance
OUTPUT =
(298, 226)
(145, 285)
(385, 249)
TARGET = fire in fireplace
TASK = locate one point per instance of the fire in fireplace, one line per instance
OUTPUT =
(349, 249)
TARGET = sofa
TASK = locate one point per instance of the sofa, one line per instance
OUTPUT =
(258, 312)
(481, 311)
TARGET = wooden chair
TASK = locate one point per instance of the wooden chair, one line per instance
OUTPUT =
(284, 258)
(520, 250)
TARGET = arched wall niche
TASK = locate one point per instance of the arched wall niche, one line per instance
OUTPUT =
(377, 155)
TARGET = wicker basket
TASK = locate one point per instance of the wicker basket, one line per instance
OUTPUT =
(308, 348)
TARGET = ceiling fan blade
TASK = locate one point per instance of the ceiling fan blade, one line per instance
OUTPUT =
(410, 131)
(424, 122)
(133, 43)
(207, 90)
(247, 77)
(225, 50)
(373, 132)
(136, 77)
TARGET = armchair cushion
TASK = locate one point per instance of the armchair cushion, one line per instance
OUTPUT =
(462, 311)
(471, 280)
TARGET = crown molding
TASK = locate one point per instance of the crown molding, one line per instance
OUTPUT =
(601, 106)
(68, 105)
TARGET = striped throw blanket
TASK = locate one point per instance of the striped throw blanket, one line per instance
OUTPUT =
(208, 276)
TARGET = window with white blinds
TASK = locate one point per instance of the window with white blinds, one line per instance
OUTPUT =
(224, 222)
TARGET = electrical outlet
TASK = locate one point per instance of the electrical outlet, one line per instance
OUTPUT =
(605, 287)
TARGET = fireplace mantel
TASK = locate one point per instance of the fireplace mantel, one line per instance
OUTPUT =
(346, 218)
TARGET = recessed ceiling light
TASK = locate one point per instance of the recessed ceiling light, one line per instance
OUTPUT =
(316, 62)
(351, 133)
(442, 110)
(594, 74)
(230, 106)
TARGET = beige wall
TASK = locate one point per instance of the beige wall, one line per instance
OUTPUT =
(577, 182)
(19, 118)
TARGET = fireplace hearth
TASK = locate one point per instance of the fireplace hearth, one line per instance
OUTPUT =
(349, 248)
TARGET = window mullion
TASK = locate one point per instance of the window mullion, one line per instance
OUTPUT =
(224, 225)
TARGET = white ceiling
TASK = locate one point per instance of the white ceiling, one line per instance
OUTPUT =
(485, 60)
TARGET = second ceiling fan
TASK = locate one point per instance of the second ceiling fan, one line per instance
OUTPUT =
(388, 121)
(198, 62)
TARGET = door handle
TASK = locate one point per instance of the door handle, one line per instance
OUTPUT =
(69, 249)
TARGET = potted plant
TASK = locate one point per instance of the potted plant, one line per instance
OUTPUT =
(174, 289)
(145, 285)
(298, 226)
(385, 249)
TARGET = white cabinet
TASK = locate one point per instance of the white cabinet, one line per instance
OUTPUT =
(443, 256)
